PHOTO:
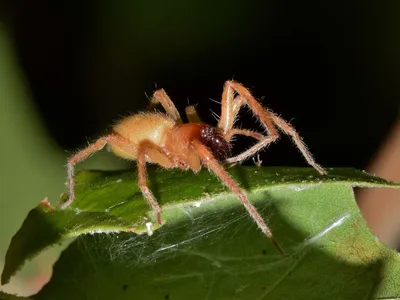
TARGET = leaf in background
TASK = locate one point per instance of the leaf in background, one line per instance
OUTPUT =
(211, 249)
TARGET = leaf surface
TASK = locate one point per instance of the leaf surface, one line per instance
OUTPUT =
(208, 247)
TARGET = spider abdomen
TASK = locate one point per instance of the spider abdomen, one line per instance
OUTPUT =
(137, 128)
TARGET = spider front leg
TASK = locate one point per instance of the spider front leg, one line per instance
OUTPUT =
(229, 110)
(82, 155)
(149, 149)
(245, 132)
(267, 119)
(289, 130)
(213, 165)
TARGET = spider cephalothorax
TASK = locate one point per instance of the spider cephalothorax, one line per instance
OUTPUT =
(164, 139)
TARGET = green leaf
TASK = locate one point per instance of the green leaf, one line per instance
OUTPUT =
(208, 247)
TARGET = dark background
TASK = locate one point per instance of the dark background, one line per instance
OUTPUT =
(329, 67)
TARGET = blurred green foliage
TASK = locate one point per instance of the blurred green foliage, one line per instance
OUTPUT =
(27, 154)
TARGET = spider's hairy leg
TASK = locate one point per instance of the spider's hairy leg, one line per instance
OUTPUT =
(228, 114)
(213, 165)
(289, 130)
(160, 96)
(230, 108)
(245, 132)
(144, 149)
(269, 120)
(82, 155)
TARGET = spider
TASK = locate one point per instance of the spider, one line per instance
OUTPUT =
(163, 139)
